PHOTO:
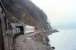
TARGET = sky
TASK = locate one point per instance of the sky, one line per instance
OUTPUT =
(62, 16)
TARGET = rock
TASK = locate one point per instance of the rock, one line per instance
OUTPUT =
(24, 12)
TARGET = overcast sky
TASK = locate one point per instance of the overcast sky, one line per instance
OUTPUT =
(62, 15)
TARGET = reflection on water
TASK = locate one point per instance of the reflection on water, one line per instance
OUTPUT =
(64, 40)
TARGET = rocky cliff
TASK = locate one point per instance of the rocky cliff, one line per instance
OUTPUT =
(22, 13)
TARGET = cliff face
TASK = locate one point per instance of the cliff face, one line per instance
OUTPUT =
(18, 14)
(24, 9)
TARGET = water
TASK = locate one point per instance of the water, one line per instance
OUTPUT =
(64, 39)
